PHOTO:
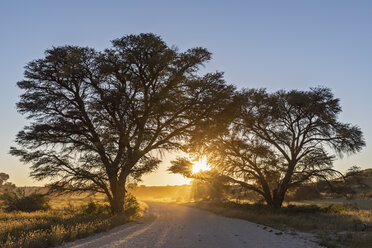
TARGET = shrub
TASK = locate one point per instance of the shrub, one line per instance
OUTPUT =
(95, 208)
(131, 206)
(18, 201)
(296, 209)
(306, 193)
(331, 208)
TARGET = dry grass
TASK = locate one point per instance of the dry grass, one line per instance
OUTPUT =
(356, 202)
(334, 226)
(59, 202)
(66, 222)
(46, 229)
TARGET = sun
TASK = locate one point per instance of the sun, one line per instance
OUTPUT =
(200, 165)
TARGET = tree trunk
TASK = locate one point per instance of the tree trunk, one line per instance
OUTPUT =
(118, 196)
(279, 193)
(277, 202)
(278, 198)
(274, 200)
(268, 199)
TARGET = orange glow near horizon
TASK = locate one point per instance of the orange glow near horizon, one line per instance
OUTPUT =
(200, 165)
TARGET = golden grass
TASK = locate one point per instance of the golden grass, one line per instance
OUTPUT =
(66, 222)
(46, 229)
(59, 202)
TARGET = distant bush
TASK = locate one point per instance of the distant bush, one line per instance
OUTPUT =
(307, 192)
(18, 201)
(292, 209)
(312, 208)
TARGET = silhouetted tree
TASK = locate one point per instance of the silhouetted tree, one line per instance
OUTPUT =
(279, 140)
(99, 119)
(3, 178)
(4, 185)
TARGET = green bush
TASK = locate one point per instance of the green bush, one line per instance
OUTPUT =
(131, 206)
(18, 201)
(95, 208)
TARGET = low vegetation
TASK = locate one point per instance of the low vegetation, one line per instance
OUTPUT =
(18, 201)
(334, 225)
(61, 222)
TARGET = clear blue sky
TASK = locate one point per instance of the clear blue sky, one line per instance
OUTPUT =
(272, 44)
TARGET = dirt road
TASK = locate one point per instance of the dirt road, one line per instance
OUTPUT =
(174, 226)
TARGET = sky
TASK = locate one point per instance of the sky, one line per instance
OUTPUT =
(258, 44)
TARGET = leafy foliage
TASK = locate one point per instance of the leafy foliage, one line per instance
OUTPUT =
(277, 141)
(131, 206)
(4, 185)
(99, 119)
(94, 208)
(3, 178)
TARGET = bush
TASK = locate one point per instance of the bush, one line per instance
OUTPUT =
(95, 208)
(18, 201)
(294, 209)
(306, 193)
(298, 209)
(131, 206)
(290, 209)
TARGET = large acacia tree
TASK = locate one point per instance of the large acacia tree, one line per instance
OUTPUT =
(277, 141)
(99, 119)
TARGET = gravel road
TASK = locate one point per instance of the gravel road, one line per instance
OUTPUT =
(174, 226)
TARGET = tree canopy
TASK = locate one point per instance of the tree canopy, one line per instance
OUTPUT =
(100, 119)
(276, 141)
(3, 178)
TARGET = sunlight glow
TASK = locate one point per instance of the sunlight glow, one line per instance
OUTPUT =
(200, 165)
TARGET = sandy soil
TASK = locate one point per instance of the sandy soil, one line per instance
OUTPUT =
(174, 226)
